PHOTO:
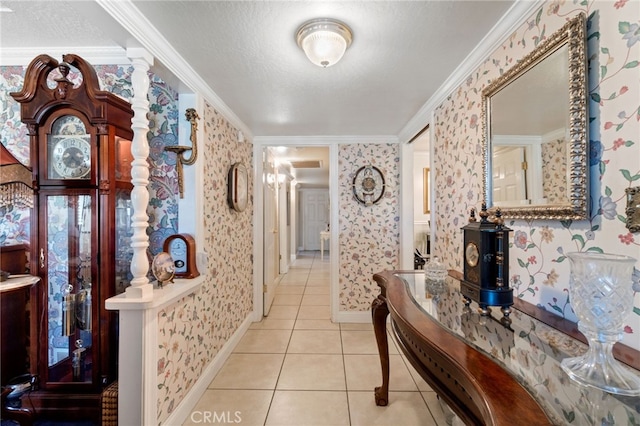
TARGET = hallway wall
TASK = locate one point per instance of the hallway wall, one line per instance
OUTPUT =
(539, 270)
(193, 330)
(369, 237)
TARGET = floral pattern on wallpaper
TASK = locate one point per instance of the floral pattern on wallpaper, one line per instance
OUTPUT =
(163, 130)
(369, 237)
(539, 268)
(193, 330)
(554, 164)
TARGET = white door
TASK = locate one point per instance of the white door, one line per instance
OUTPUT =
(315, 216)
(284, 200)
(509, 183)
(271, 252)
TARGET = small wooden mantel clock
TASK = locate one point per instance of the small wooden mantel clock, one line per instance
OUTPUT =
(486, 263)
(182, 248)
(80, 140)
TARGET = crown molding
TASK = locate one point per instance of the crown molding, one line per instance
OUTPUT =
(103, 55)
(133, 21)
(324, 140)
(517, 15)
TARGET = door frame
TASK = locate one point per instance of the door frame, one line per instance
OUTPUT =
(259, 143)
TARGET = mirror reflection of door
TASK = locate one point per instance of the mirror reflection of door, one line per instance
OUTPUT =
(532, 108)
(509, 180)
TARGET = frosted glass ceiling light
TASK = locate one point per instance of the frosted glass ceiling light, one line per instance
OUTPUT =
(324, 40)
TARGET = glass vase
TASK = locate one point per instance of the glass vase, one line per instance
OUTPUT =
(602, 297)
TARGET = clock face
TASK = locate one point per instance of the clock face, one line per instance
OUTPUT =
(178, 251)
(71, 158)
(182, 248)
(368, 185)
(471, 254)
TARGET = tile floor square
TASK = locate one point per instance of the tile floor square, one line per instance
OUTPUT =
(364, 372)
(308, 408)
(315, 342)
(312, 372)
(249, 371)
(316, 300)
(246, 407)
(405, 408)
(314, 312)
(264, 341)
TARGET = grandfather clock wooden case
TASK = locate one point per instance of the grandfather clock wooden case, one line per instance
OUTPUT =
(80, 232)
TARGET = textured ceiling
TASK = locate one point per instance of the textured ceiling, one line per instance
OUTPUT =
(245, 52)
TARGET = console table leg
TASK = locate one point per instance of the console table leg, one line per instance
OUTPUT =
(379, 314)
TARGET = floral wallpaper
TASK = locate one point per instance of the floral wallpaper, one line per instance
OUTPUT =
(192, 331)
(554, 164)
(539, 269)
(14, 222)
(163, 131)
(369, 237)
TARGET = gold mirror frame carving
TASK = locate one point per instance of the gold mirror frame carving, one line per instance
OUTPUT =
(573, 33)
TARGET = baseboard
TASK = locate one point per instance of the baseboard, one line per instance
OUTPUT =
(185, 407)
(357, 317)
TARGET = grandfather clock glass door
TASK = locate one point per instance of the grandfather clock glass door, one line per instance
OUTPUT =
(67, 253)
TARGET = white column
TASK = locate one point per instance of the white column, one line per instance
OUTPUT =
(140, 286)
(136, 405)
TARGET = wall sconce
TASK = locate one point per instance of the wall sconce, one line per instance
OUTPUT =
(191, 116)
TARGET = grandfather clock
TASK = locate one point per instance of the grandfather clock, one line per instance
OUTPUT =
(80, 231)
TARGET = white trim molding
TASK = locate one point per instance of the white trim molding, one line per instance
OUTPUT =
(103, 55)
(134, 21)
(519, 12)
(323, 140)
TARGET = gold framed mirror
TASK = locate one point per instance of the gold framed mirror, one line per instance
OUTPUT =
(535, 138)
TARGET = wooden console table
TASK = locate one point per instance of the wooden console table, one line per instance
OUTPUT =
(488, 371)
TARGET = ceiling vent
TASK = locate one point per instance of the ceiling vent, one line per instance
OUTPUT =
(306, 164)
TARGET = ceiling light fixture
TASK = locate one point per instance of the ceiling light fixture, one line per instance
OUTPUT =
(324, 40)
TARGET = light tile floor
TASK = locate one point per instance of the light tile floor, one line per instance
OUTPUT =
(296, 367)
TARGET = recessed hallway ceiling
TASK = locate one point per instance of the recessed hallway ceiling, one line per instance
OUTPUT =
(245, 52)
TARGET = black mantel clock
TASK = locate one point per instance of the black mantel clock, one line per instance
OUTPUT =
(486, 263)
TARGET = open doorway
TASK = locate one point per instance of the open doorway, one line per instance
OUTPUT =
(295, 201)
